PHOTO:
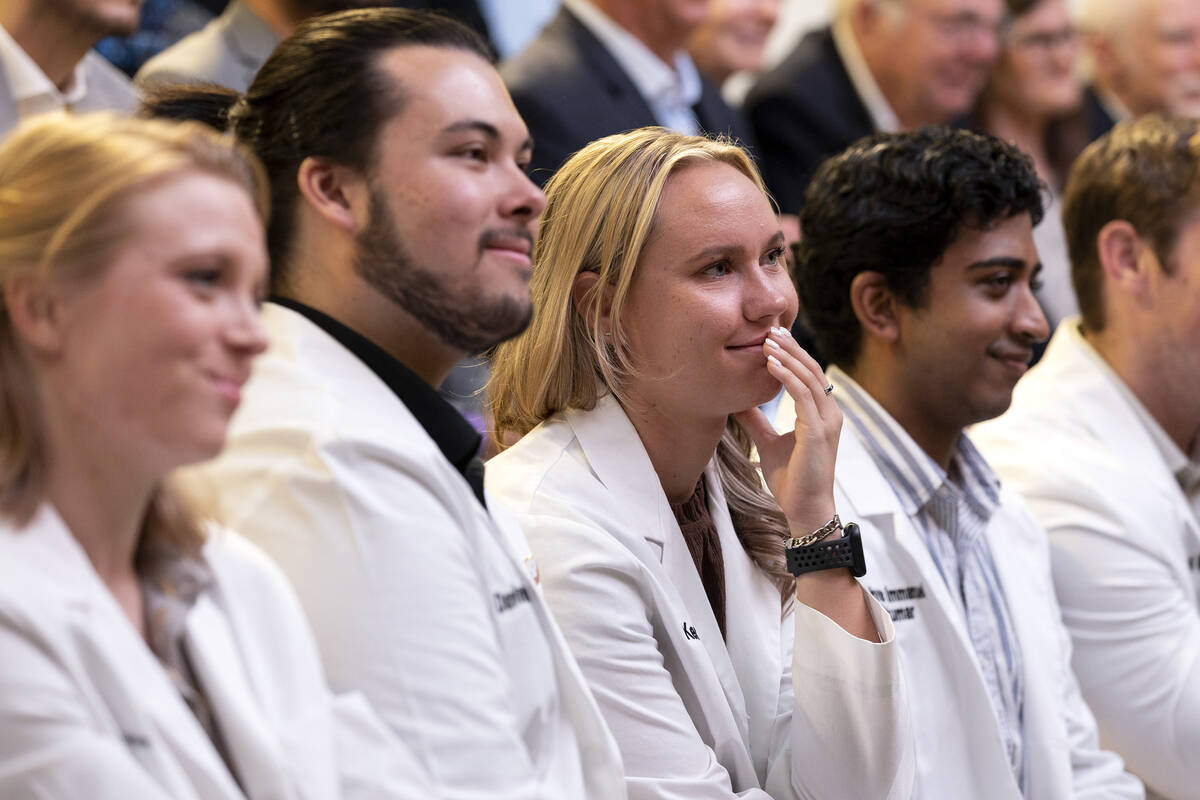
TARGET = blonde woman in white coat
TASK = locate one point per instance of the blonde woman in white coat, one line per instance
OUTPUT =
(140, 656)
(661, 304)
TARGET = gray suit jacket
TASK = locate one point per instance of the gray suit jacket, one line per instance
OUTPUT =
(227, 51)
(107, 90)
(570, 90)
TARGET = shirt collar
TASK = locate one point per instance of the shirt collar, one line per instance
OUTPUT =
(915, 476)
(1112, 104)
(454, 436)
(865, 86)
(26, 80)
(1186, 470)
(676, 84)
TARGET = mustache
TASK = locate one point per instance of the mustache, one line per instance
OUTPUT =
(492, 236)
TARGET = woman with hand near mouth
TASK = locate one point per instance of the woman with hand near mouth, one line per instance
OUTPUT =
(142, 656)
(661, 305)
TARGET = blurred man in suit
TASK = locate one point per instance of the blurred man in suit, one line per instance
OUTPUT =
(46, 58)
(606, 66)
(883, 65)
(1145, 56)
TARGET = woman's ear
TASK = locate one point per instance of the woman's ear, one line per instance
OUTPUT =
(875, 306)
(593, 301)
(336, 193)
(36, 313)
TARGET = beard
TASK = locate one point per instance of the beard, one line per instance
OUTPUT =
(468, 319)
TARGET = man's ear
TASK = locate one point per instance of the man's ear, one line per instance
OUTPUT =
(337, 193)
(593, 301)
(1125, 258)
(875, 306)
(36, 313)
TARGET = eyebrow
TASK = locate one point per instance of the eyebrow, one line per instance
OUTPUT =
(1002, 261)
(721, 249)
(486, 128)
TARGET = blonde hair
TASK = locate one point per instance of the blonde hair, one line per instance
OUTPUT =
(64, 181)
(600, 210)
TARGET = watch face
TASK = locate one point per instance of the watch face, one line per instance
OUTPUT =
(858, 563)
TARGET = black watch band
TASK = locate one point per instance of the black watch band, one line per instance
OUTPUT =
(846, 552)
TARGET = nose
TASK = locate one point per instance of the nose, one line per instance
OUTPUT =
(1029, 322)
(245, 332)
(768, 12)
(769, 295)
(522, 200)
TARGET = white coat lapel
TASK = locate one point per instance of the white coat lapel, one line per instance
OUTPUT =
(616, 453)
(1106, 413)
(753, 628)
(215, 656)
(159, 729)
(875, 501)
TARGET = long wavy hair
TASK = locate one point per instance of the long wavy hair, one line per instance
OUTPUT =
(64, 182)
(600, 208)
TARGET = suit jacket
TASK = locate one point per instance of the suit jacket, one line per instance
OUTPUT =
(571, 91)
(227, 51)
(697, 716)
(419, 596)
(1125, 544)
(87, 710)
(960, 750)
(1099, 121)
(107, 90)
(802, 111)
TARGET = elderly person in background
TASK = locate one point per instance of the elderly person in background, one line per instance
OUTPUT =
(1033, 100)
(733, 37)
(1145, 57)
(143, 655)
(884, 65)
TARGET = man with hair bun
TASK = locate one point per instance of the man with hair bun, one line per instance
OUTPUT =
(1102, 441)
(400, 240)
(917, 273)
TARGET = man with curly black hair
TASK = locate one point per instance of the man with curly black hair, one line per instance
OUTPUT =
(917, 274)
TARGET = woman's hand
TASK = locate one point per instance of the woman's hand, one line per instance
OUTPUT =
(798, 465)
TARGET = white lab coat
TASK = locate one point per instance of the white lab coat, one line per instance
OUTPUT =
(1126, 551)
(696, 717)
(960, 752)
(87, 711)
(417, 596)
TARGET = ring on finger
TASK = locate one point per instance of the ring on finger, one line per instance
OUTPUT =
(829, 390)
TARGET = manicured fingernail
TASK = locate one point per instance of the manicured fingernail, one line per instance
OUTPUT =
(774, 361)
(775, 329)
(771, 343)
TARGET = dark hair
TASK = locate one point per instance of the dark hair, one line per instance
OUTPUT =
(322, 93)
(893, 204)
(1146, 172)
(200, 102)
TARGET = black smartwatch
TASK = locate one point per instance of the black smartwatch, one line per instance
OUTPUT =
(846, 552)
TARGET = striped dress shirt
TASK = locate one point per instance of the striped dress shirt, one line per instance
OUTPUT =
(950, 510)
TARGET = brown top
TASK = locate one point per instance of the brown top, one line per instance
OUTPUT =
(171, 584)
(700, 533)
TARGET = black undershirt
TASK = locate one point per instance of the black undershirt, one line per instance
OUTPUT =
(454, 436)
